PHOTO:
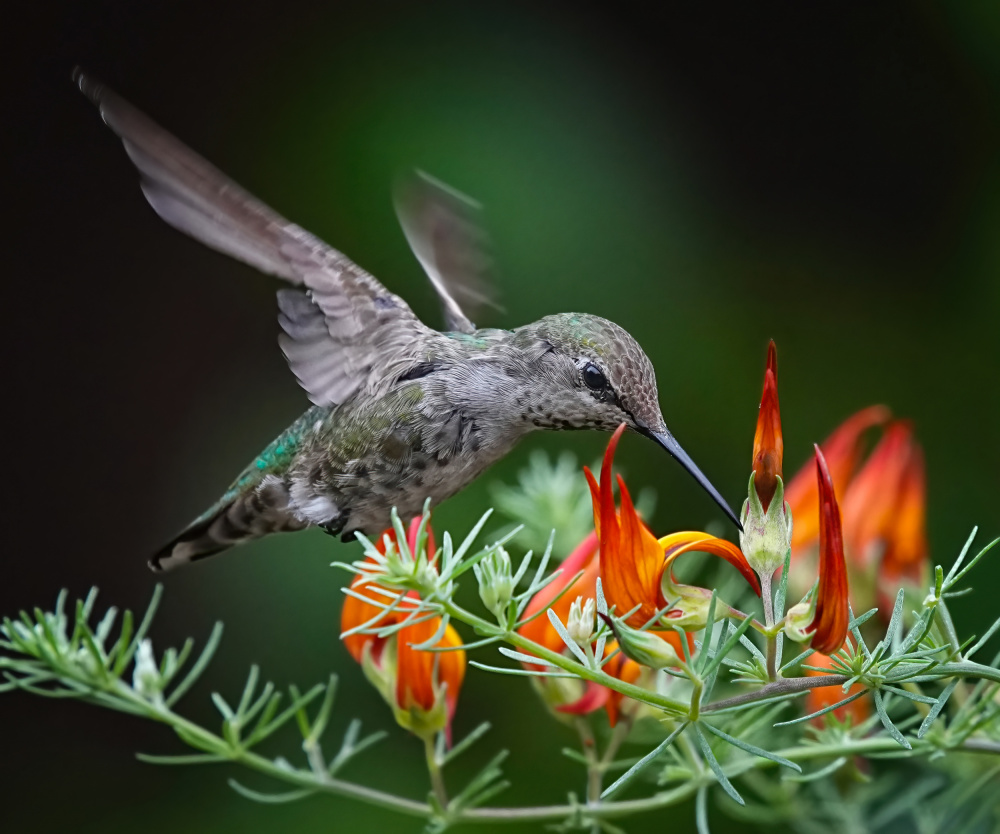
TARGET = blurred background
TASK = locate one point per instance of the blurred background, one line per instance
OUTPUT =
(708, 177)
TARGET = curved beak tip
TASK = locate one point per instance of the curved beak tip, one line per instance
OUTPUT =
(666, 440)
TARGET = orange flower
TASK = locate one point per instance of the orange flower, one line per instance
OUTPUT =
(830, 623)
(627, 671)
(634, 564)
(825, 696)
(883, 507)
(418, 682)
(768, 446)
(541, 631)
(906, 553)
(842, 449)
(421, 686)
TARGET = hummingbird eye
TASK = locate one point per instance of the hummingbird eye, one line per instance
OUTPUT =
(594, 378)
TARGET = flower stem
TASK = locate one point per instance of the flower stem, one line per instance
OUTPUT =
(772, 639)
(595, 772)
(434, 769)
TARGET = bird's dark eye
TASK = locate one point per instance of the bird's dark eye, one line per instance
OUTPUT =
(595, 380)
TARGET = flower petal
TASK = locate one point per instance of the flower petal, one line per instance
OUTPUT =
(768, 447)
(676, 544)
(540, 629)
(830, 625)
(841, 450)
(871, 499)
(594, 697)
(906, 553)
(625, 670)
(633, 574)
(415, 673)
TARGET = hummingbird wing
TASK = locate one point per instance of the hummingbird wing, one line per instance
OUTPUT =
(443, 229)
(342, 328)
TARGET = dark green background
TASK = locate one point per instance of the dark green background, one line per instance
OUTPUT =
(708, 178)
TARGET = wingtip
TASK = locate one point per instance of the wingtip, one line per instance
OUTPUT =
(87, 84)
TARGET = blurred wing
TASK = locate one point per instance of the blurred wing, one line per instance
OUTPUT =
(341, 328)
(443, 230)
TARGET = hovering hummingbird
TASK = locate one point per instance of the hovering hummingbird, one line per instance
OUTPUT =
(401, 412)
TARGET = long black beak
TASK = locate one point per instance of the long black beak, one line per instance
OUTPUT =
(666, 440)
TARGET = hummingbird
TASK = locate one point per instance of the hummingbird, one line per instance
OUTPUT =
(400, 412)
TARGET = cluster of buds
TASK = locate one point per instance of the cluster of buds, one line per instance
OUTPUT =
(420, 686)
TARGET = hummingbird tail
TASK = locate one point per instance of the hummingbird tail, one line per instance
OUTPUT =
(233, 520)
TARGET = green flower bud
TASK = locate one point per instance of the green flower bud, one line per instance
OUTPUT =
(766, 535)
(644, 647)
(496, 581)
(799, 620)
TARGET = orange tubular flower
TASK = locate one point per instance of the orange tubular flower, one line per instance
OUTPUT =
(628, 671)
(634, 564)
(906, 553)
(842, 449)
(418, 683)
(540, 630)
(830, 623)
(768, 447)
(421, 686)
(883, 507)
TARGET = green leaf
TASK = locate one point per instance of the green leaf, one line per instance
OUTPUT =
(961, 556)
(823, 711)
(199, 665)
(325, 710)
(270, 798)
(984, 639)
(640, 765)
(816, 775)
(887, 722)
(750, 748)
(714, 765)
(735, 635)
(701, 811)
(459, 748)
(193, 758)
(972, 564)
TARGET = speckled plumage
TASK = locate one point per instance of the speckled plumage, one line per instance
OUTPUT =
(401, 412)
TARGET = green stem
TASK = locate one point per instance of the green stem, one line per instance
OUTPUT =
(654, 699)
(322, 782)
(588, 744)
(772, 640)
(434, 769)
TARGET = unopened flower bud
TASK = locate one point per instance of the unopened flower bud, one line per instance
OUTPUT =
(767, 534)
(580, 623)
(496, 581)
(647, 648)
(799, 620)
(146, 675)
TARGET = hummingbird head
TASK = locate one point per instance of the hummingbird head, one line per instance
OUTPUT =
(592, 374)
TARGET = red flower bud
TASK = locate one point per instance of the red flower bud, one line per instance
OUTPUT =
(830, 624)
(768, 447)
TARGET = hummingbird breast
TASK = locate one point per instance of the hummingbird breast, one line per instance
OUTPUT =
(427, 437)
